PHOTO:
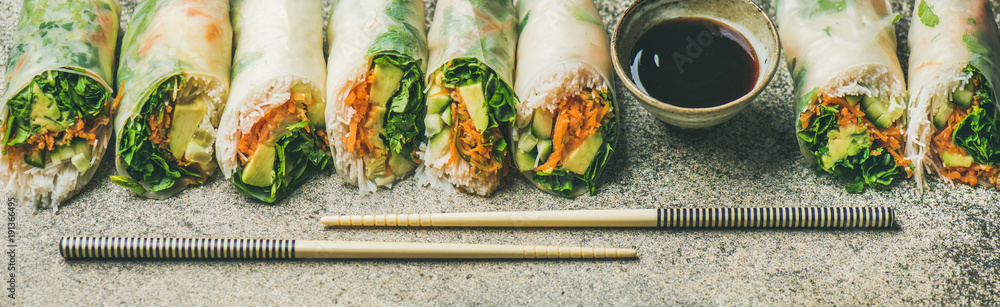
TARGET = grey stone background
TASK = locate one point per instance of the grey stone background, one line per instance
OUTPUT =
(944, 253)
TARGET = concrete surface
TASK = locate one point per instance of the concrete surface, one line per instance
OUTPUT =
(944, 253)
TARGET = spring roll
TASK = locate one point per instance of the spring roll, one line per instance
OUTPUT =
(567, 122)
(469, 99)
(849, 88)
(57, 105)
(174, 71)
(953, 129)
(271, 138)
(378, 53)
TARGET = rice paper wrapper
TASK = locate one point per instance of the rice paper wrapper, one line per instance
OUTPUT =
(562, 49)
(358, 30)
(840, 50)
(76, 37)
(168, 38)
(481, 29)
(278, 44)
(959, 34)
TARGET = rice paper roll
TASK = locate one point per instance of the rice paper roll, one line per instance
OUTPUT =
(174, 71)
(271, 138)
(470, 102)
(953, 129)
(378, 53)
(567, 120)
(849, 88)
(56, 109)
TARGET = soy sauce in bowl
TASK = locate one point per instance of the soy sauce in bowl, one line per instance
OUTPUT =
(694, 62)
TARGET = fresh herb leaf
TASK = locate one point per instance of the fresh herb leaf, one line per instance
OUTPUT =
(971, 20)
(70, 95)
(979, 132)
(870, 166)
(566, 183)
(500, 98)
(827, 30)
(299, 156)
(974, 45)
(149, 165)
(829, 6)
(403, 130)
(927, 17)
(128, 183)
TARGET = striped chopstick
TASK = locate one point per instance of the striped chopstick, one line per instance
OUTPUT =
(787, 217)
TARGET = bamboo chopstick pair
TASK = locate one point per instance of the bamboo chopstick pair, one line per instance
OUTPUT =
(156, 248)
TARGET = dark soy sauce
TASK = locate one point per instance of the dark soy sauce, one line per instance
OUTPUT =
(694, 62)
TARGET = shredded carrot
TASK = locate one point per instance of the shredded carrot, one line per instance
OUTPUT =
(262, 132)
(576, 119)
(471, 142)
(359, 127)
(942, 142)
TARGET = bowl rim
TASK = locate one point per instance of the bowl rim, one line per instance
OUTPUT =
(768, 72)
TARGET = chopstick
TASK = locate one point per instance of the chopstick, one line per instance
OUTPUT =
(177, 248)
(787, 217)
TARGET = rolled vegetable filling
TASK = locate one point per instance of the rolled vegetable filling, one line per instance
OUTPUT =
(282, 149)
(170, 140)
(967, 141)
(384, 127)
(466, 105)
(853, 137)
(56, 119)
(562, 147)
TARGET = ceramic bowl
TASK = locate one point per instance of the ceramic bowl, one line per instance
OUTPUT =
(742, 15)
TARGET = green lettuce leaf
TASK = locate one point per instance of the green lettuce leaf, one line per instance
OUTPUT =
(298, 156)
(861, 169)
(979, 133)
(565, 183)
(146, 163)
(403, 129)
(75, 95)
(500, 98)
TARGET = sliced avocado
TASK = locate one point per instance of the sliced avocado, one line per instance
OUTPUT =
(36, 159)
(526, 142)
(844, 142)
(440, 143)
(375, 166)
(541, 124)
(544, 150)
(894, 112)
(525, 160)
(475, 102)
(260, 170)
(853, 99)
(45, 112)
(387, 79)
(315, 108)
(377, 126)
(446, 116)
(942, 115)
(437, 103)
(579, 159)
(962, 98)
(401, 165)
(433, 124)
(187, 118)
(956, 159)
(873, 108)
